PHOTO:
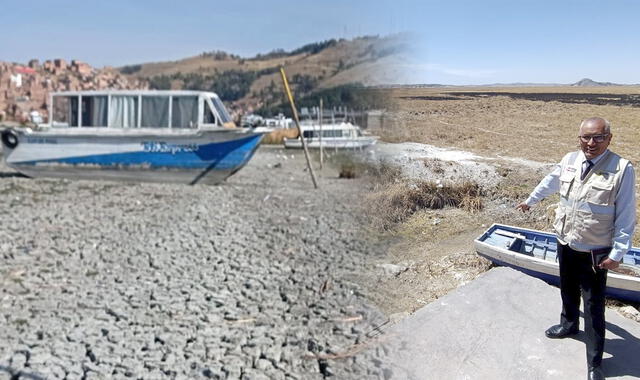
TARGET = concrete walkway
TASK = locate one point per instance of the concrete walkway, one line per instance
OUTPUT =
(493, 328)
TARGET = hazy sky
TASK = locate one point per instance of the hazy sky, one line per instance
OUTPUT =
(559, 41)
(454, 41)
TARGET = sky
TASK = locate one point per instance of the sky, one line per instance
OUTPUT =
(451, 41)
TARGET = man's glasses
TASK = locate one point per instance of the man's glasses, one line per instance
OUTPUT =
(596, 138)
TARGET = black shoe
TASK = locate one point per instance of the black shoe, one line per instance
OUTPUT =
(559, 331)
(595, 373)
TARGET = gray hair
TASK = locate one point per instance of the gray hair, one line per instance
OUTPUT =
(607, 125)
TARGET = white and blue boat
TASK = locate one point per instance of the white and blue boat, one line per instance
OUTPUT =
(343, 135)
(535, 253)
(133, 135)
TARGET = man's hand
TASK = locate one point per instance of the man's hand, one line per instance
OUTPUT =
(608, 264)
(523, 207)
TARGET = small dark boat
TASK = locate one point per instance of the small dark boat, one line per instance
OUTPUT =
(535, 253)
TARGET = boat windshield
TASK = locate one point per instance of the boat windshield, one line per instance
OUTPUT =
(208, 117)
(221, 110)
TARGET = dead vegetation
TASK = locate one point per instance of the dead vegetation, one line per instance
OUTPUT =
(348, 171)
(277, 136)
(540, 125)
(533, 129)
(395, 202)
(352, 165)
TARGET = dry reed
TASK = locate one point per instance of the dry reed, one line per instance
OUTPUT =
(277, 136)
(396, 202)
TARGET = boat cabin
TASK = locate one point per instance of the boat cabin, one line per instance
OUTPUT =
(137, 109)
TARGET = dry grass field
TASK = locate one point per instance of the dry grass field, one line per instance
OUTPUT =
(535, 123)
(539, 124)
(532, 123)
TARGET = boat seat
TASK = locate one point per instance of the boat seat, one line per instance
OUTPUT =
(541, 249)
(517, 242)
(631, 259)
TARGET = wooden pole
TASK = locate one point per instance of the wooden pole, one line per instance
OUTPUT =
(297, 120)
(320, 124)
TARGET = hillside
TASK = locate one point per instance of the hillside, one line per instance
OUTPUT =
(25, 88)
(328, 69)
(248, 84)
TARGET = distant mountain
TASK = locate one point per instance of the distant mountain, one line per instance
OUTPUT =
(586, 82)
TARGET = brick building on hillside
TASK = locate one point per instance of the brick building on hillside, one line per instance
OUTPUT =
(26, 88)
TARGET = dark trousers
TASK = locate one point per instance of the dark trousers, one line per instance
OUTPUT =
(576, 273)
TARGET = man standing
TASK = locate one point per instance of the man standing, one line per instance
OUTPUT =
(596, 216)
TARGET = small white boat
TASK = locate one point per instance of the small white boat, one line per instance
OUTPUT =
(535, 253)
(331, 136)
(133, 135)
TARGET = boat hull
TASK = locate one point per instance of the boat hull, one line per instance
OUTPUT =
(199, 156)
(620, 286)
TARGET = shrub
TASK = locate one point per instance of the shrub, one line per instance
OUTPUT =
(230, 85)
(130, 69)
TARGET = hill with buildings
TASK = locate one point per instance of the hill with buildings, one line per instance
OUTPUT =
(335, 69)
(25, 88)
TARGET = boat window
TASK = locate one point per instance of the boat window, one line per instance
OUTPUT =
(94, 111)
(65, 111)
(208, 117)
(326, 133)
(155, 112)
(221, 110)
(123, 111)
(332, 133)
(184, 112)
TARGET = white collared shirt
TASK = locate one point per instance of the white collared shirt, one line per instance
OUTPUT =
(625, 202)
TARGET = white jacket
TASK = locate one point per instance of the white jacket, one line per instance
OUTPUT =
(586, 211)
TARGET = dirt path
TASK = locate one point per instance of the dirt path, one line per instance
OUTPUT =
(433, 269)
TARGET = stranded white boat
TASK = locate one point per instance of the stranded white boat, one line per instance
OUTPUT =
(335, 135)
(160, 136)
(535, 253)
